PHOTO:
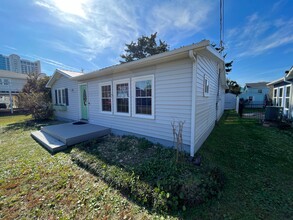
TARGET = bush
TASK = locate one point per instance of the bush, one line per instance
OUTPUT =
(36, 98)
(157, 182)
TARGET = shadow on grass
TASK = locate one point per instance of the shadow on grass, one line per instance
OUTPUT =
(30, 125)
(148, 174)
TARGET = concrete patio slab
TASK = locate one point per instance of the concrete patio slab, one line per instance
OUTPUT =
(70, 133)
(49, 142)
(57, 137)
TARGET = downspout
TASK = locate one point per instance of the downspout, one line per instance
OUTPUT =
(193, 58)
(218, 92)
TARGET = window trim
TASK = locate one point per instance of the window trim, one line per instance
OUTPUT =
(133, 81)
(206, 86)
(63, 103)
(275, 98)
(108, 83)
(115, 83)
(287, 97)
(281, 97)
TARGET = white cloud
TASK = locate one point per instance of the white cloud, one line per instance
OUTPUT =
(107, 25)
(259, 35)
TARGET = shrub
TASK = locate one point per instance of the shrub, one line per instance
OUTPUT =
(157, 182)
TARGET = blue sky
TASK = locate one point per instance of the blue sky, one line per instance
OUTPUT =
(90, 34)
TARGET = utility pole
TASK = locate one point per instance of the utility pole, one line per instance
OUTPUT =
(10, 97)
(221, 25)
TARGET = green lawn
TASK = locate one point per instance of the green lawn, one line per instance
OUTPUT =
(257, 162)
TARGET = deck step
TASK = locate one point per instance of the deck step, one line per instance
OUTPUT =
(49, 142)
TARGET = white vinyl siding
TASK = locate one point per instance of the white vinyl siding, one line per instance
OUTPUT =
(206, 113)
(172, 101)
(73, 109)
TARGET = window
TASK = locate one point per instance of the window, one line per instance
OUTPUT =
(206, 86)
(259, 91)
(275, 96)
(280, 98)
(143, 96)
(121, 96)
(250, 98)
(4, 82)
(287, 96)
(61, 97)
(106, 97)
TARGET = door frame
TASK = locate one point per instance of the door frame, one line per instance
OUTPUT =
(79, 101)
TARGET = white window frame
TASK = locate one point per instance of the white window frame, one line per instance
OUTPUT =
(287, 97)
(115, 83)
(206, 86)
(108, 83)
(133, 82)
(60, 100)
(275, 97)
(281, 97)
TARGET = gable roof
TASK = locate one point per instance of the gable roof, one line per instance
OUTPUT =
(203, 46)
(58, 73)
(257, 85)
(12, 75)
(288, 76)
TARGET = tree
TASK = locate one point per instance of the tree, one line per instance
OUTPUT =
(228, 65)
(36, 98)
(144, 47)
(233, 87)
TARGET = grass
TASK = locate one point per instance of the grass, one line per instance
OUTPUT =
(257, 162)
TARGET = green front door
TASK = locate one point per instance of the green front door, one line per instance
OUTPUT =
(83, 102)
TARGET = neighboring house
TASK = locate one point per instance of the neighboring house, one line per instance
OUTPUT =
(230, 101)
(143, 97)
(255, 94)
(283, 94)
(11, 84)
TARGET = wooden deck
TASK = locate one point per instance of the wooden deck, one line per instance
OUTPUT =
(57, 137)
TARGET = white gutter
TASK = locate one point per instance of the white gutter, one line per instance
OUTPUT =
(193, 57)
(151, 60)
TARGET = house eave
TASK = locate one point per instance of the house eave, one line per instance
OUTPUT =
(152, 60)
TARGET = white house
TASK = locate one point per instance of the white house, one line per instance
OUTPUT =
(143, 97)
(256, 94)
(283, 94)
(11, 84)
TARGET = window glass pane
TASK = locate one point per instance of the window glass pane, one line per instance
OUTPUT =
(106, 105)
(288, 91)
(280, 102)
(275, 93)
(106, 98)
(122, 90)
(281, 92)
(59, 96)
(122, 95)
(122, 105)
(287, 103)
(143, 100)
(63, 96)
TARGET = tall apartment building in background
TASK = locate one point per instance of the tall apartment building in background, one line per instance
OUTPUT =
(13, 63)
